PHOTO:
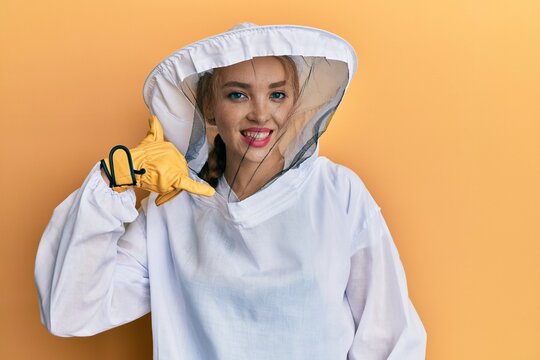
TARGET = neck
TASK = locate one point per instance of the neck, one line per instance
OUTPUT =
(251, 176)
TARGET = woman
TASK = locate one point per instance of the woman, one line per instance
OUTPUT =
(289, 259)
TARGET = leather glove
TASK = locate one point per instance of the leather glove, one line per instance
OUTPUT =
(155, 165)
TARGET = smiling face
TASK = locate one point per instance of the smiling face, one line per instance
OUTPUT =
(251, 105)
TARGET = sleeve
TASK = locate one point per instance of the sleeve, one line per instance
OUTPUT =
(90, 269)
(386, 323)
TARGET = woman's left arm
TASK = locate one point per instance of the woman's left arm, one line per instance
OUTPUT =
(386, 323)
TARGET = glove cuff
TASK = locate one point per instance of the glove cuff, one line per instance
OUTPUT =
(129, 176)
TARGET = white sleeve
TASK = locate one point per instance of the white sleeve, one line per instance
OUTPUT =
(387, 325)
(90, 270)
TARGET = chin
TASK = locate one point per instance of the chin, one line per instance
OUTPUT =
(256, 156)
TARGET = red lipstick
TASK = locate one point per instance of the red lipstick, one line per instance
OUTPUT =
(257, 137)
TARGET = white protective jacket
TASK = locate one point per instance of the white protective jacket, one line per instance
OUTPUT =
(305, 268)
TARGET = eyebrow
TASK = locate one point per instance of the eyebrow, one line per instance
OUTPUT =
(247, 86)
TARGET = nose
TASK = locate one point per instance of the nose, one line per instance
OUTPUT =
(260, 111)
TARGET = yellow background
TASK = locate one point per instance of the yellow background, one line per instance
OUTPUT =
(442, 122)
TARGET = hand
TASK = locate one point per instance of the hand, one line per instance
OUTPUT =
(155, 165)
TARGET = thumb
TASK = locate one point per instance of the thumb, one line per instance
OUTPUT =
(155, 133)
(195, 187)
(163, 198)
(189, 185)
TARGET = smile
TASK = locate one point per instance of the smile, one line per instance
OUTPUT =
(257, 137)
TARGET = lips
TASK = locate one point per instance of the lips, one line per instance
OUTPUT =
(257, 137)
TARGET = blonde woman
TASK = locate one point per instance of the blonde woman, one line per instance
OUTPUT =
(250, 245)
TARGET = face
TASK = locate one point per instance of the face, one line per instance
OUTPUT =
(252, 103)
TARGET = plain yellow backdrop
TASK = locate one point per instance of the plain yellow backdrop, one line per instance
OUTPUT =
(442, 122)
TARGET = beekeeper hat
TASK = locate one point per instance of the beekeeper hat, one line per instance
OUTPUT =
(325, 64)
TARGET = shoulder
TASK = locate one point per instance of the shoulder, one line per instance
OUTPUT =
(338, 177)
(346, 189)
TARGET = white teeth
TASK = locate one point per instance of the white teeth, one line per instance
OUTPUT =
(256, 135)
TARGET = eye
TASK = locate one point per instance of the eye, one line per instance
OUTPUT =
(235, 95)
(278, 95)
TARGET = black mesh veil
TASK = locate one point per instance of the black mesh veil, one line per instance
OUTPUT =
(324, 66)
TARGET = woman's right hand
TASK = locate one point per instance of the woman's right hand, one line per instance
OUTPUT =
(157, 166)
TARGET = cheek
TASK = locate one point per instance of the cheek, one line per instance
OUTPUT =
(229, 116)
(225, 124)
(283, 113)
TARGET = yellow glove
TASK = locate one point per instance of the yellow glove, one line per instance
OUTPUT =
(155, 165)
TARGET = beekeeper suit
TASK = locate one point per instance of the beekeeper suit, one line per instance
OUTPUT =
(304, 268)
